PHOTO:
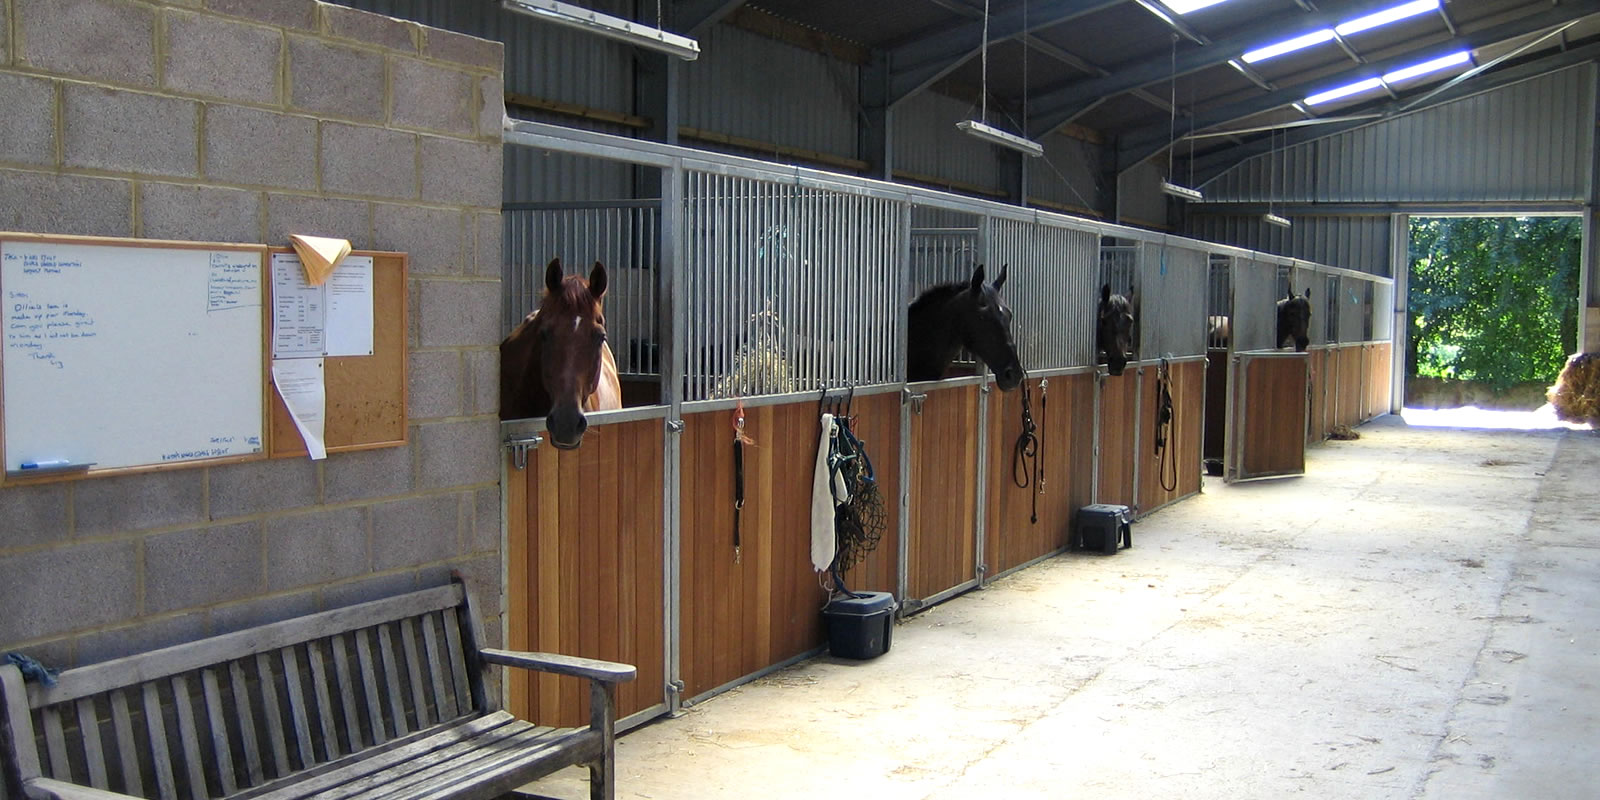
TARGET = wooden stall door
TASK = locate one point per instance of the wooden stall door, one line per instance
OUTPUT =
(584, 568)
(943, 496)
(1063, 413)
(1351, 371)
(1377, 380)
(1118, 420)
(1180, 464)
(1270, 409)
(741, 613)
(1317, 425)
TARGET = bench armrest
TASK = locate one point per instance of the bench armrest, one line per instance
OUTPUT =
(594, 669)
(52, 789)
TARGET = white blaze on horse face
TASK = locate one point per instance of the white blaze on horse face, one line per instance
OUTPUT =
(576, 321)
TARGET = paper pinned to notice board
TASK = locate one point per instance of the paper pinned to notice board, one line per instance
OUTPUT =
(334, 319)
(304, 392)
(319, 255)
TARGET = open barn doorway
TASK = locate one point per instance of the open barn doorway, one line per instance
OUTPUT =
(1492, 312)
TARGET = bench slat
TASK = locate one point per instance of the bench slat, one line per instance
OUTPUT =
(397, 751)
(168, 661)
(247, 722)
(515, 737)
(189, 735)
(326, 731)
(419, 697)
(93, 751)
(222, 752)
(127, 754)
(445, 704)
(347, 692)
(156, 725)
(17, 725)
(458, 660)
(423, 776)
(297, 707)
(55, 743)
(369, 683)
(391, 677)
(269, 705)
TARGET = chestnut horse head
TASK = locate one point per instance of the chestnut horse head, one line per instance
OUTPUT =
(556, 364)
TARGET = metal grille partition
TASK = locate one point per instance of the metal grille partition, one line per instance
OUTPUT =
(1219, 300)
(1352, 309)
(1255, 304)
(1172, 299)
(625, 235)
(1383, 312)
(1049, 289)
(793, 288)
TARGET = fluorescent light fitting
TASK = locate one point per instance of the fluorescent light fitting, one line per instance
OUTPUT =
(1186, 6)
(1288, 46)
(1344, 91)
(1426, 67)
(1274, 219)
(1386, 16)
(994, 135)
(617, 28)
(1181, 191)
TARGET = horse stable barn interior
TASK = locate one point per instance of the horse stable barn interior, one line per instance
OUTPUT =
(791, 203)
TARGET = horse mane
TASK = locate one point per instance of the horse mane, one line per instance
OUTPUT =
(934, 295)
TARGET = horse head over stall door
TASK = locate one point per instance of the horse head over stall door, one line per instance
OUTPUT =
(557, 364)
(1294, 320)
(950, 316)
(1113, 332)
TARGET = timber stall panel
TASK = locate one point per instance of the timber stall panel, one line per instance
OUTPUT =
(1060, 409)
(1179, 466)
(1271, 393)
(942, 499)
(1118, 396)
(1348, 411)
(742, 614)
(1317, 424)
(584, 567)
(1377, 379)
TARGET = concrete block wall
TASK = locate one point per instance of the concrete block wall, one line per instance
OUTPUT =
(246, 120)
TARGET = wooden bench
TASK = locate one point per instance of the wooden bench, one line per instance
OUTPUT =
(383, 699)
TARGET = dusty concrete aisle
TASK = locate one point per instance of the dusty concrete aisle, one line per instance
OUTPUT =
(1416, 618)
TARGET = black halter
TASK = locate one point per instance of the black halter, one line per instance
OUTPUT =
(1028, 448)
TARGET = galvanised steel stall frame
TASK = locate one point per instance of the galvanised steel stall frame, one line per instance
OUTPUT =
(736, 235)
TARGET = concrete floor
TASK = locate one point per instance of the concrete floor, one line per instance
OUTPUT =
(1418, 617)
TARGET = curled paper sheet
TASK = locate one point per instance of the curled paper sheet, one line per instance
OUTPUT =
(319, 255)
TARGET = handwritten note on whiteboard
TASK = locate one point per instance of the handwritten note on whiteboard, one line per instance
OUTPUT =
(128, 355)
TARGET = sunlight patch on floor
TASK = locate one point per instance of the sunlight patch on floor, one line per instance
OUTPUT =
(1542, 418)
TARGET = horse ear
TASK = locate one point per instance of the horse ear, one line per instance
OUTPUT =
(597, 281)
(1105, 292)
(552, 276)
(977, 280)
(1000, 281)
(1308, 292)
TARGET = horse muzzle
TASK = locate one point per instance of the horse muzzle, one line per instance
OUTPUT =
(565, 428)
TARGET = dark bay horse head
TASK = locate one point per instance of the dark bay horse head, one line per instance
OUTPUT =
(950, 316)
(1294, 320)
(1113, 332)
(556, 364)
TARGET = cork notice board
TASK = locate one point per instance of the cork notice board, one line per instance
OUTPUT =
(366, 395)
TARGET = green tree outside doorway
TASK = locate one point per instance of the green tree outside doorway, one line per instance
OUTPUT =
(1493, 299)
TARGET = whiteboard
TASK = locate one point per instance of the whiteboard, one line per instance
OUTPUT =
(129, 355)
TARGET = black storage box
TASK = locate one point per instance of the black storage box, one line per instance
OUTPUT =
(860, 627)
(1104, 527)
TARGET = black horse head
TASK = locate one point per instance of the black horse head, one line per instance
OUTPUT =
(951, 316)
(1294, 320)
(1113, 332)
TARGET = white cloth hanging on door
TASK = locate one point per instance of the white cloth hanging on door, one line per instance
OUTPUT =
(823, 543)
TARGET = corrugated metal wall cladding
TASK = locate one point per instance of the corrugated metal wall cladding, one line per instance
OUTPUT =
(750, 86)
(927, 142)
(1520, 143)
(1359, 243)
